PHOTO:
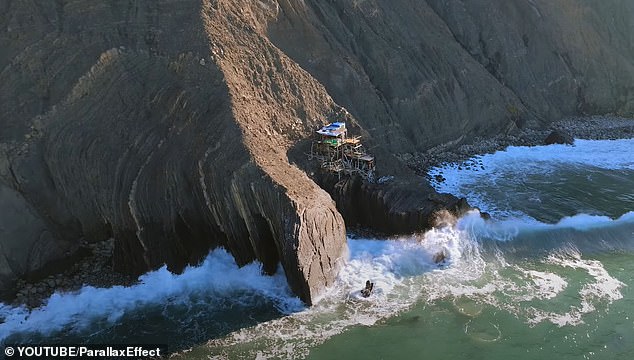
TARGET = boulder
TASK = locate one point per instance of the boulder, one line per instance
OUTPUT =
(559, 137)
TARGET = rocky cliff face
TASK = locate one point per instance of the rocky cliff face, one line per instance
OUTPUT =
(401, 206)
(422, 73)
(169, 124)
(131, 121)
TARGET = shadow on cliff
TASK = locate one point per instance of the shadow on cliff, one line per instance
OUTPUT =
(396, 202)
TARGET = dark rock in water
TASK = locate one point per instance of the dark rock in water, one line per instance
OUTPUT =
(559, 137)
(485, 215)
(367, 290)
(400, 207)
(439, 257)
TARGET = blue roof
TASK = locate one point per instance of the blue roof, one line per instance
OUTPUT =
(334, 129)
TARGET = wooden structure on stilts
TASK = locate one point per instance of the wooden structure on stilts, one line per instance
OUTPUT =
(342, 155)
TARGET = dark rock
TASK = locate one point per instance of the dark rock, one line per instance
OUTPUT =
(25, 237)
(439, 257)
(367, 290)
(176, 158)
(485, 215)
(402, 207)
(559, 137)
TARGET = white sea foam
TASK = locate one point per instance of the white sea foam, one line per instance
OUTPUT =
(546, 285)
(404, 273)
(526, 293)
(531, 285)
(398, 269)
(508, 229)
(395, 266)
(217, 276)
(602, 288)
(518, 161)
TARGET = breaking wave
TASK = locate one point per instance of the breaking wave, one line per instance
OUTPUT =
(535, 265)
(538, 271)
(476, 273)
(544, 178)
(197, 297)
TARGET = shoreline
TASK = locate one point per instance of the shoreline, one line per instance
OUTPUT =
(95, 268)
(598, 127)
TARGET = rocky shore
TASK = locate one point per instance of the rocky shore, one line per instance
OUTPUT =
(605, 127)
(93, 268)
(167, 125)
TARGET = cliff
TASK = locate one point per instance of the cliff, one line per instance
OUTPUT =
(422, 73)
(178, 126)
(131, 122)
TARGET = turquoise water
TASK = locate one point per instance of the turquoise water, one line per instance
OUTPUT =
(550, 276)
(559, 275)
(205, 302)
(466, 328)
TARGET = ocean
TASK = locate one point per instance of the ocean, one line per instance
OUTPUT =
(549, 276)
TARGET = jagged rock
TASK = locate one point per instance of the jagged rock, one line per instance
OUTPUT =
(169, 157)
(559, 137)
(402, 207)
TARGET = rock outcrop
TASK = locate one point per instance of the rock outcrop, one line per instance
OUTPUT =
(27, 242)
(559, 137)
(168, 125)
(397, 207)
